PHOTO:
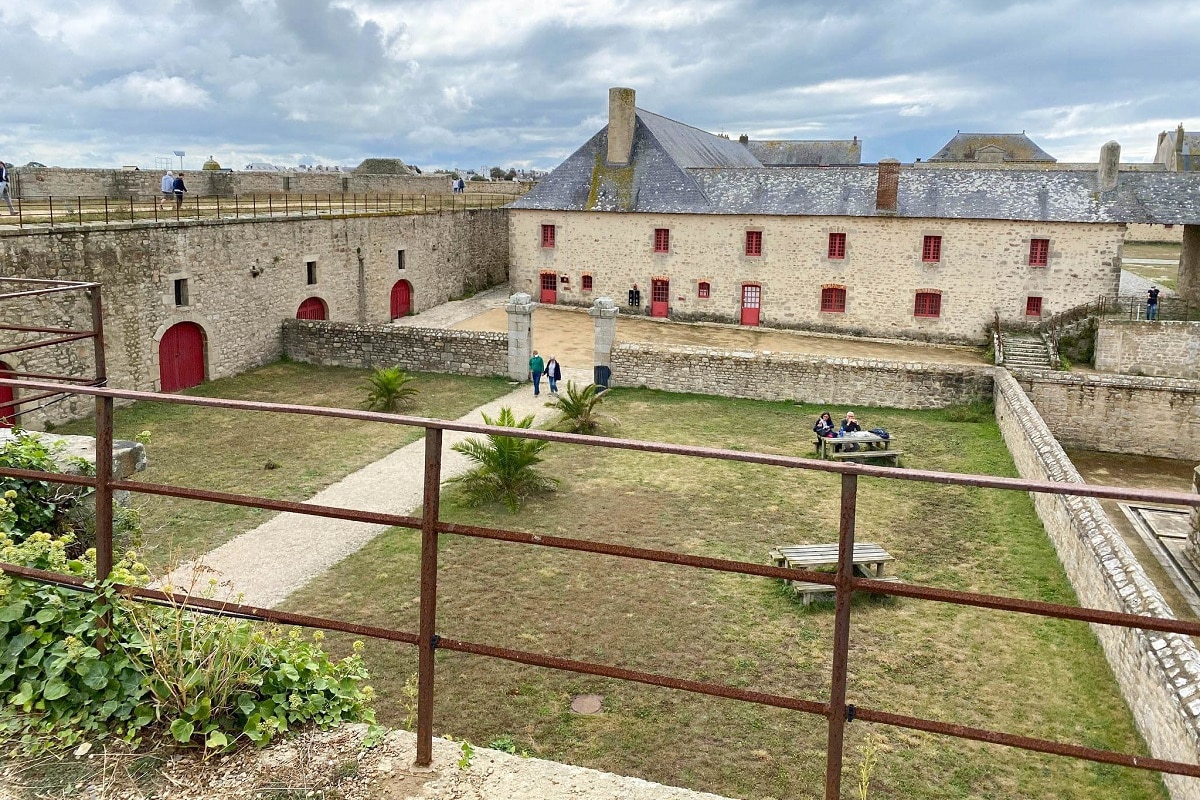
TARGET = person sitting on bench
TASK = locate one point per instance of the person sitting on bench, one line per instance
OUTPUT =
(849, 424)
(824, 427)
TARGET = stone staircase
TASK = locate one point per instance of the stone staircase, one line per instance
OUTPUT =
(1025, 351)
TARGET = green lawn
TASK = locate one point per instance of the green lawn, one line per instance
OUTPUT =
(1019, 674)
(280, 456)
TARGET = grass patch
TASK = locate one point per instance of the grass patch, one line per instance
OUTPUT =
(280, 456)
(975, 667)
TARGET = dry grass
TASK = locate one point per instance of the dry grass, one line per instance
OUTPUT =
(1024, 675)
(280, 456)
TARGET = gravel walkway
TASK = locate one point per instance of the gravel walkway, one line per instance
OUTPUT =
(1132, 284)
(267, 564)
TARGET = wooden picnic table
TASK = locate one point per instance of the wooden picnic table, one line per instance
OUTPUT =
(869, 560)
(870, 448)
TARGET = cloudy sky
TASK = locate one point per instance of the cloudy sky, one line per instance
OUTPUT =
(470, 83)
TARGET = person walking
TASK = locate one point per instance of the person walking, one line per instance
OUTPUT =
(553, 374)
(536, 368)
(1152, 303)
(168, 189)
(4, 190)
(177, 188)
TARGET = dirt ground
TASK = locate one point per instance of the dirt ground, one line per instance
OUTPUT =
(569, 333)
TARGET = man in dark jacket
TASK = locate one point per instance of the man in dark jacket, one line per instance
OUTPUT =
(179, 189)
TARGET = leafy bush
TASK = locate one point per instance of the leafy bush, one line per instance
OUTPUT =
(39, 505)
(578, 407)
(506, 465)
(389, 389)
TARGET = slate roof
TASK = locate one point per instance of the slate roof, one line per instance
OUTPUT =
(668, 175)
(805, 152)
(1016, 147)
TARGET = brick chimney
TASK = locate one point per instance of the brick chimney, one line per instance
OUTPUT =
(621, 123)
(744, 140)
(1110, 162)
(888, 186)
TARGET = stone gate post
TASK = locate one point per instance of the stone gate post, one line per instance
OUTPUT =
(604, 311)
(520, 335)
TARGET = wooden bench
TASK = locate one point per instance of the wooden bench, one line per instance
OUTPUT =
(809, 591)
(868, 559)
(869, 455)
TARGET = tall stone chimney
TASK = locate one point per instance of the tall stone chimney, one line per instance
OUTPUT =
(888, 186)
(744, 140)
(621, 123)
(1110, 161)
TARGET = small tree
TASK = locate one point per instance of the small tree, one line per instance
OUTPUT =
(506, 466)
(389, 389)
(578, 407)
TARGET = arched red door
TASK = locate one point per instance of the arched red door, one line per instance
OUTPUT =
(401, 299)
(181, 357)
(312, 308)
(549, 288)
(751, 303)
(8, 414)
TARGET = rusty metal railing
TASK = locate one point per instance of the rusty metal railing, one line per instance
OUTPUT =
(835, 708)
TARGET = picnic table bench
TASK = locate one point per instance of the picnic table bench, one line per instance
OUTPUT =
(869, 448)
(869, 560)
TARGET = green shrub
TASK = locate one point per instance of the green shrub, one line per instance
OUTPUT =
(40, 505)
(389, 389)
(506, 466)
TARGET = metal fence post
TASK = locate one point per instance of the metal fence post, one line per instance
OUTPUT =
(837, 709)
(104, 446)
(427, 637)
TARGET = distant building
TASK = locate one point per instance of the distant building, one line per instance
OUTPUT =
(804, 152)
(992, 148)
(1178, 150)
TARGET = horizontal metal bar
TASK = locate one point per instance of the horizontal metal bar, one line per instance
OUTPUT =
(32, 329)
(790, 462)
(50, 281)
(45, 343)
(68, 378)
(1027, 742)
(20, 401)
(50, 290)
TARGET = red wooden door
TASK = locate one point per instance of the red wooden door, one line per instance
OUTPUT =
(660, 296)
(312, 308)
(8, 414)
(401, 299)
(549, 288)
(181, 357)
(751, 303)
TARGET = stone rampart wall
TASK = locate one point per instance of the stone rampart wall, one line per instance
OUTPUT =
(807, 379)
(33, 183)
(1119, 413)
(341, 344)
(1147, 232)
(1160, 349)
(242, 278)
(1158, 673)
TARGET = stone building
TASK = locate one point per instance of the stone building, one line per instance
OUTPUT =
(993, 148)
(1178, 150)
(675, 222)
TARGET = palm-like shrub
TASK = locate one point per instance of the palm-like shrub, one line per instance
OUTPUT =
(578, 407)
(505, 466)
(389, 389)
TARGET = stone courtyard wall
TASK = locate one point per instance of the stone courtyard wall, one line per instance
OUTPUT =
(243, 278)
(32, 183)
(1119, 413)
(1161, 349)
(1158, 673)
(478, 353)
(1147, 232)
(806, 379)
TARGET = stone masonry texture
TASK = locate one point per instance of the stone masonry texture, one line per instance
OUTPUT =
(1137, 347)
(479, 353)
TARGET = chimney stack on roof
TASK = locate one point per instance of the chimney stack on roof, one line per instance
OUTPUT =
(1110, 162)
(622, 118)
(744, 140)
(888, 186)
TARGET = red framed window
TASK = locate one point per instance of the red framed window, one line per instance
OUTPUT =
(833, 299)
(754, 243)
(703, 289)
(1033, 306)
(931, 249)
(837, 245)
(928, 304)
(587, 283)
(1039, 252)
(662, 240)
(548, 236)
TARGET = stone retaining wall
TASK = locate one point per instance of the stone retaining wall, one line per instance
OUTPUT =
(807, 379)
(1161, 349)
(1158, 673)
(1119, 413)
(342, 344)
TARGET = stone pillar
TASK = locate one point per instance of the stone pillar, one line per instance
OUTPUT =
(604, 311)
(520, 335)
(1189, 264)
(1194, 516)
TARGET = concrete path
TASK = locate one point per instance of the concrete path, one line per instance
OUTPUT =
(267, 564)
